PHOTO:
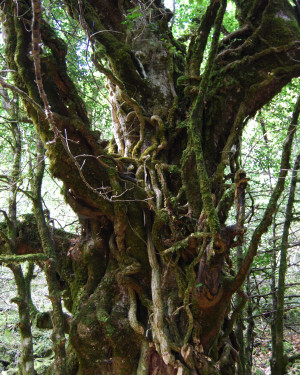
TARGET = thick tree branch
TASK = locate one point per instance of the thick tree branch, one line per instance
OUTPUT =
(23, 258)
(199, 40)
(195, 130)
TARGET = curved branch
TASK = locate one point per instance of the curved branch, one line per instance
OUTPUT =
(23, 95)
(91, 20)
(135, 325)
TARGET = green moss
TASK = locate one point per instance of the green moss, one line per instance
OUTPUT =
(172, 113)
(182, 80)
(24, 64)
(160, 229)
(283, 23)
(190, 181)
(28, 231)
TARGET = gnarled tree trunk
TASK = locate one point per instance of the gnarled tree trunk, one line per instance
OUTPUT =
(152, 283)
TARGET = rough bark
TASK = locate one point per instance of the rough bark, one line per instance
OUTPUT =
(150, 285)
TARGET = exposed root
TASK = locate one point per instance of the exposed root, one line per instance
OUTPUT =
(158, 331)
(134, 324)
(143, 361)
(158, 193)
(160, 132)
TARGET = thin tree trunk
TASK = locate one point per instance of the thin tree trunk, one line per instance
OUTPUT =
(249, 333)
(27, 359)
(273, 283)
(240, 324)
(279, 361)
(240, 218)
(22, 299)
(50, 268)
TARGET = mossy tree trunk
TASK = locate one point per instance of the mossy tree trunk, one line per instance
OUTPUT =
(151, 285)
(26, 365)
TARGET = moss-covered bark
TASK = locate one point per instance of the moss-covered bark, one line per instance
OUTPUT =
(148, 282)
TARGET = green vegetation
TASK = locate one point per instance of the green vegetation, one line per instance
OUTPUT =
(10, 342)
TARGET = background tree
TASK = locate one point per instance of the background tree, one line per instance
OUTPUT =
(279, 359)
(155, 247)
(9, 234)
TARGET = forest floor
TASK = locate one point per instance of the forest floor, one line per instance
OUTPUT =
(262, 353)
